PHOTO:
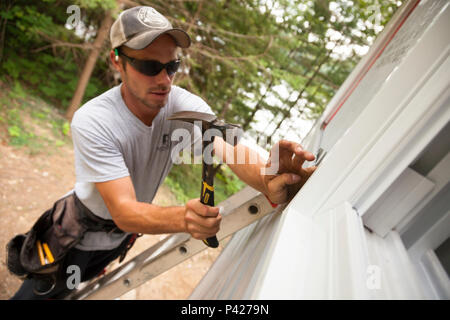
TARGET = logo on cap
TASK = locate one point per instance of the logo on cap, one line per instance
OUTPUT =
(152, 18)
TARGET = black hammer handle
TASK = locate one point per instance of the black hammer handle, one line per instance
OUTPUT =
(207, 193)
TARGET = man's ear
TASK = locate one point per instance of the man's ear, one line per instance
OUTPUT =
(114, 57)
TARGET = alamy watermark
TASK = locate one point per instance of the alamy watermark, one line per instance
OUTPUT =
(75, 16)
(74, 278)
(373, 281)
(190, 149)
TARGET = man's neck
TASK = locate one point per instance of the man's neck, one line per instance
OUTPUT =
(140, 110)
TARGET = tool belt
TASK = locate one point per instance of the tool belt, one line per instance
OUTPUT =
(55, 232)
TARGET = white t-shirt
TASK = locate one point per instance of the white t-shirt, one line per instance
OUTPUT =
(110, 142)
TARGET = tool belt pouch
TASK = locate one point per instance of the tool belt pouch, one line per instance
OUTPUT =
(60, 227)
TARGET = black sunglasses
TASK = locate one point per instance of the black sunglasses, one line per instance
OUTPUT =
(152, 67)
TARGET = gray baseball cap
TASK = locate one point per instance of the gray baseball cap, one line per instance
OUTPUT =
(137, 27)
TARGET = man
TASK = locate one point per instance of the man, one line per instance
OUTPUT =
(123, 154)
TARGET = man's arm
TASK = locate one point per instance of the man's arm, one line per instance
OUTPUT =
(131, 215)
(246, 163)
(279, 177)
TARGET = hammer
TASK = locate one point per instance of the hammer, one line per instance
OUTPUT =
(208, 121)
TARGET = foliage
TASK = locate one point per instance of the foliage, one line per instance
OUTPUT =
(185, 182)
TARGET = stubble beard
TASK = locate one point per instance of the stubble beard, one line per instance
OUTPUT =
(150, 105)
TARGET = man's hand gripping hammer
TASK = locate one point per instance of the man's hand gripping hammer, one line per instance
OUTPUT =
(209, 121)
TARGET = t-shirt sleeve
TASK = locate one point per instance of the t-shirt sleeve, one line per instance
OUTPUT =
(186, 101)
(97, 157)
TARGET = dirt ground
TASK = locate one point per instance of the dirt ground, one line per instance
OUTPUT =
(30, 184)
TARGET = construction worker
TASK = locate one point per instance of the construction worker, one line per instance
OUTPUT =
(123, 152)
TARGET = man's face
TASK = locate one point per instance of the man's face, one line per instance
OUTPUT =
(151, 91)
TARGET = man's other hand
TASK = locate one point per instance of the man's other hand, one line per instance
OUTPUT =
(287, 158)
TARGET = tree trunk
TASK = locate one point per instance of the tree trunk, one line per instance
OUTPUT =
(102, 35)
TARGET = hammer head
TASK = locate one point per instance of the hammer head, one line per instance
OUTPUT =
(210, 121)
